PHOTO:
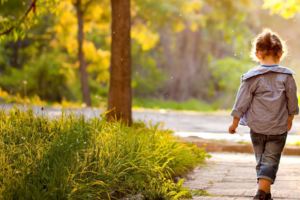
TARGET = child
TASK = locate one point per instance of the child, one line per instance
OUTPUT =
(266, 102)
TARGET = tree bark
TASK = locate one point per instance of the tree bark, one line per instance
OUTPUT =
(81, 58)
(120, 92)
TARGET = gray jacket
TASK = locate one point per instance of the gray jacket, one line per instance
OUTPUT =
(267, 95)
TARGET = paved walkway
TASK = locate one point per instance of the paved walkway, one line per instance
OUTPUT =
(228, 176)
(191, 123)
(185, 124)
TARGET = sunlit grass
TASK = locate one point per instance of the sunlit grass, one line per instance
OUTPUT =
(101, 102)
(200, 192)
(5, 97)
(8, 98)
(72, 158)
(192, 105)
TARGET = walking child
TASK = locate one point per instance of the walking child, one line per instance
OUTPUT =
(266, 102)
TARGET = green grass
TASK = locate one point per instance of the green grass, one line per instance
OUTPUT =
(193, 105)
(98, 101)
(200, 192)
(72, 158)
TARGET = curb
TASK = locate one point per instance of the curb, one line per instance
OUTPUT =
(233, 147)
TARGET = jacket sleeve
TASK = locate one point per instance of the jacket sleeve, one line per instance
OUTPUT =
(243, 99)
(291, 95)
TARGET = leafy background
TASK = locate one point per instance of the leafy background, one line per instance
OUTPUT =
(183, 51)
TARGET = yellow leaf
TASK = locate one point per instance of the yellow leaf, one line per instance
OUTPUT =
(194, 26)
(144, 36)
(178, 27)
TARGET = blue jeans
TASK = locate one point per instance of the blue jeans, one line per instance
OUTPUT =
(267, 149)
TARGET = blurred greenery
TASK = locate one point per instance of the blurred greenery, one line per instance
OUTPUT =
(228, 73)
(185, 54)
(46, 79)
(285, 8)
(192, 105)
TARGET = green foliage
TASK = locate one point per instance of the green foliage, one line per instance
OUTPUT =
(164, 11)
(286, 9)
(71, 158)
(147, 77)
(13, 9)
(200, 193)
(17, 16)
(43, 77)
(43, 62)
(54, 34)
(3, 58)
(192, 104)
(227, 74)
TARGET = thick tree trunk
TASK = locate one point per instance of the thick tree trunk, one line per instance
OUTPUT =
(120, 94)
(81, 58)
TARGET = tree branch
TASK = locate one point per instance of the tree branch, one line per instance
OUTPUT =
(32, 7)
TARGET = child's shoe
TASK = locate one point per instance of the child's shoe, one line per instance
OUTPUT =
(269, 196)
(260, 195)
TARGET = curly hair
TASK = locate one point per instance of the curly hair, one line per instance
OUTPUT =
(268, 43)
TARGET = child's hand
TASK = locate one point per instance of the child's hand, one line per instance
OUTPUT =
(232, 128)
(234, 125)
(289, 126)
(290, 122)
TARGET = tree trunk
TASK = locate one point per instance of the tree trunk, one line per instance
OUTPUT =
(184, 59)
(120, 94)
(81, 58)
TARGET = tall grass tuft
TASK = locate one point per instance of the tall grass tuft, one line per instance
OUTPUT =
(73, 158)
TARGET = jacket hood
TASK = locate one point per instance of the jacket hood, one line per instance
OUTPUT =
(263, 69)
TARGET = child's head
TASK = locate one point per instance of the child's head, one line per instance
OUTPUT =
(268, 45)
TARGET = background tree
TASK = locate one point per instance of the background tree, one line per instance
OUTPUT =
(81, 8)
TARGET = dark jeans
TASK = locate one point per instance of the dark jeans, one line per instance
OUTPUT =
(267, 149)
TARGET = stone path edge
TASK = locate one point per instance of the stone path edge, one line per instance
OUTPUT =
(226, 146)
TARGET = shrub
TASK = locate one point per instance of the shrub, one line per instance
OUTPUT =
(45, 77)
(226, 74)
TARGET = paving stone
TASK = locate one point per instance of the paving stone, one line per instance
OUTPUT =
(229, 176)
